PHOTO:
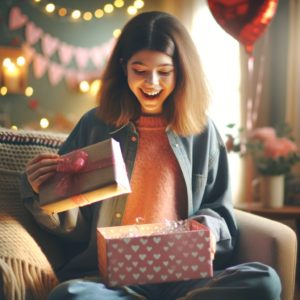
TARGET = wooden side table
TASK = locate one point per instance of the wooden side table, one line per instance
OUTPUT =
(274, 213)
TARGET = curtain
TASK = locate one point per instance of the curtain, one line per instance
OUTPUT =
(293, 74)
(293, 70)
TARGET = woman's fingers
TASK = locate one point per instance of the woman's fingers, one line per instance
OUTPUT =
(38, 182)
(41, 160)
(40, 168)
(33, 175)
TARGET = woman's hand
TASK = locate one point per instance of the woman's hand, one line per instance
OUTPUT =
(40, 168)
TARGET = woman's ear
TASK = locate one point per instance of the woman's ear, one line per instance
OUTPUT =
(123, 65)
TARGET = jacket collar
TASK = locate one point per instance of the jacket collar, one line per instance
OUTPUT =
(113, 130)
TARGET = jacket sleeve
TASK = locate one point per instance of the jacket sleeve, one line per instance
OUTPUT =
(216, 209)
(73, 223)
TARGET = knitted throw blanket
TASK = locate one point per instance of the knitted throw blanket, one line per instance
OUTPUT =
(25, 270)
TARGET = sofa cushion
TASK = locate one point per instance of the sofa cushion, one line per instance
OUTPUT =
(28, 255)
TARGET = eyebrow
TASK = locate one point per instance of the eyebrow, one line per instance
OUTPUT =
(137, 62)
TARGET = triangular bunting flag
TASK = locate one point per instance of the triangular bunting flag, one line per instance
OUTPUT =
(16, 18)
(65, 53)
(32, 33)
(55, 73)
(81, 56)
(97, 57)
(49, 44)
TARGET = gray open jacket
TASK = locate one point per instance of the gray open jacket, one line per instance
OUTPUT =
(203, 161)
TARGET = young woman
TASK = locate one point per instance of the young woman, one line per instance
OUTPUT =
(153, 101)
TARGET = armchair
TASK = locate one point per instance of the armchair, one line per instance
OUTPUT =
(269, 242)
(29, 256)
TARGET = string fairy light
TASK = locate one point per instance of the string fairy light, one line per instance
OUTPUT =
(52, 9)
(119, 3)
(44, 123)
(116, 32)
(108, 8)
(3, 90)
(132, 10)
(29, 91)
(87, 16)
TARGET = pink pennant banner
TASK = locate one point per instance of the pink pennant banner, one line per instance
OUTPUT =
(55, 73)
(16, 18)
(49, 44)
(96, 56)
(65, 53)
(32, 33)
(40, 65)
(99, 55)
(81, 56)
(108, 47)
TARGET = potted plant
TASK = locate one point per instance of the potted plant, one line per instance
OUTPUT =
(274, 153)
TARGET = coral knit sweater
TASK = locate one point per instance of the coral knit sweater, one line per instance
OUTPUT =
(158, 189)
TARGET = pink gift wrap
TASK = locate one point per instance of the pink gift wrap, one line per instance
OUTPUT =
(151, 257)
(85, 176)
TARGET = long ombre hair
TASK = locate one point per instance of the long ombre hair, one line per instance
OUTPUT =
(185, 109)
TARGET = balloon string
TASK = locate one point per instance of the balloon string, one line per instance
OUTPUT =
(259, 85)
(249, 126)
(258, 92)
(253, 102)
(249, 103)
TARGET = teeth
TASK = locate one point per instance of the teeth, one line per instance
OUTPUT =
(152, 93)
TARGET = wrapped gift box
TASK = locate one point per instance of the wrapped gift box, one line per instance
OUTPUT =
(84, 176)
(143, 254)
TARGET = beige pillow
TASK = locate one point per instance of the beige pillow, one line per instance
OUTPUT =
(28, 255)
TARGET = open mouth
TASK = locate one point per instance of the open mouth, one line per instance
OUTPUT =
(151, 94)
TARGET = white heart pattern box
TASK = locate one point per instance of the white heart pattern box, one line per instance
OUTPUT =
(143, 254)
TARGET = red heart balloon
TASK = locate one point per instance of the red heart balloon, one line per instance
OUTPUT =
(245, 20)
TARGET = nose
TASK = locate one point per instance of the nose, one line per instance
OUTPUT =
(152, 78)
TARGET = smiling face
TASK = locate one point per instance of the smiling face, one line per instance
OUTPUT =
(151, 77)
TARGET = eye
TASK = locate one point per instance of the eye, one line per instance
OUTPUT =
(165, 72)
(139, 71)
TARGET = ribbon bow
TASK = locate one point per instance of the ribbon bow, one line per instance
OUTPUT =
(70, 165)
(73, 162)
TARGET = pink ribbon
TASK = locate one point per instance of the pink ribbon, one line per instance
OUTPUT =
(69, 169)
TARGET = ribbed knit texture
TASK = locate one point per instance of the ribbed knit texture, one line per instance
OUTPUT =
(158, 189)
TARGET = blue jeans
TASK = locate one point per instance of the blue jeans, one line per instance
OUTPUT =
(242, 282)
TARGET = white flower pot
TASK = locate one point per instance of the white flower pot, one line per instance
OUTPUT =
(272, 190)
